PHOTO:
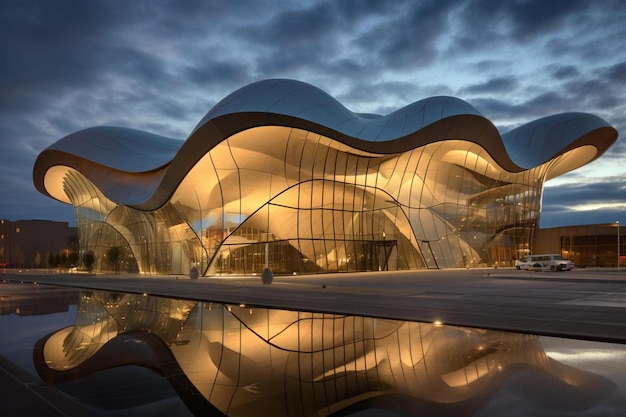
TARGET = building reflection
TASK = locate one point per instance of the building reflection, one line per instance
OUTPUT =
(23, 300)
(236, 360)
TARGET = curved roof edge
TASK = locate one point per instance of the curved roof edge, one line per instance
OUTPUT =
(304, 101)
(155, 165)
(120, 148)
(536, 142)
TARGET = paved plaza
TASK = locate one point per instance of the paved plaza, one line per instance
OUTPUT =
(584, 303)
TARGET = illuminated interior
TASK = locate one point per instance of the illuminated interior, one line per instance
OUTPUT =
(300, 195)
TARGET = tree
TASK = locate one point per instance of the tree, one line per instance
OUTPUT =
(115, 255)
(72, 259)
(89, 259)
(64, 262)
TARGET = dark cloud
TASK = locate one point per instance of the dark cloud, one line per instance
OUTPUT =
(362, 95)
(545, 103)
(596, 192)
(565, 72)
(214, 72)
(494, 109)
(558, 202)
(348, 68)
(40, 44)
(520, 21)
(555, 216)
(616, 73)
(599, 91)
(501, 85)
(288, 63)
(529, 19)
(411, 39)
(603, 89)
(489, 66)
(304, 27)
(326, 37)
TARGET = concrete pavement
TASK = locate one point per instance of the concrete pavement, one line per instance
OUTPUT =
(584, 303)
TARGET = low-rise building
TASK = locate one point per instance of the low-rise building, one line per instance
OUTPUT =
(587, 245)
(31, 243)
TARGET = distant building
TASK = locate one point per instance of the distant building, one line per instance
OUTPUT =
(587, 245)
(279, 174)
(29, 243)
(22, 300)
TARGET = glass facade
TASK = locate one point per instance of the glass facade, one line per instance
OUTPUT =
(311, 204)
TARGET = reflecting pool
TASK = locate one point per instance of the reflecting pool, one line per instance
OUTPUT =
(123, 354)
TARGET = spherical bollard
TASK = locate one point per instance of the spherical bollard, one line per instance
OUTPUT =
(193, 273)
(267, 276)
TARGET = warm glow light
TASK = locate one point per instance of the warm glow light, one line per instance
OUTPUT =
(581, 356)
(437, 323)
(598, 206)
(54, 181)
(467, 158)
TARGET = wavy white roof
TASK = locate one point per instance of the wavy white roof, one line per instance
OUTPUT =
(156, 164)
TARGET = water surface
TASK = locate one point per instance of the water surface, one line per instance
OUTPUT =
(127, 354)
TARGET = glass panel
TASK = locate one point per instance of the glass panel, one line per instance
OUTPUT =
(447, 204)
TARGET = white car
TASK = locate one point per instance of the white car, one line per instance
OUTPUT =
(549, 262)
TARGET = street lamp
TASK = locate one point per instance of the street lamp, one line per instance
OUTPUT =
(617, 244)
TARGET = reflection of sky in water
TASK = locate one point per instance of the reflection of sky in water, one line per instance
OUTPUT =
(524, 389)
(130, 391)
(18, 334)
(606, 359)
(527, 393)
(602, 358)
(530, 392)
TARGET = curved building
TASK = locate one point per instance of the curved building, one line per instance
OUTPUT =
(280, 174)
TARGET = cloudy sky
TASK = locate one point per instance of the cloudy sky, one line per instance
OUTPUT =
(161, 65)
